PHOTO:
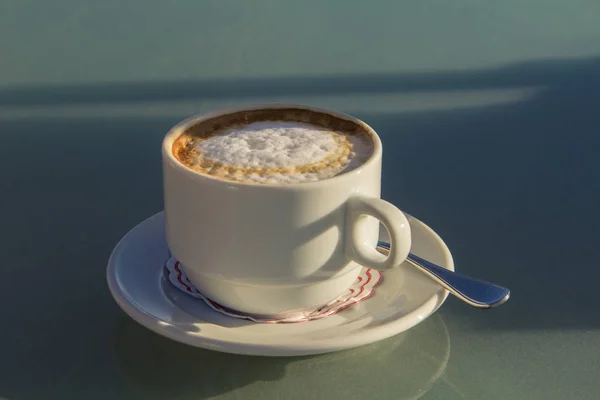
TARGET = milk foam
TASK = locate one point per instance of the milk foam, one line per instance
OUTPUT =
(279, 152)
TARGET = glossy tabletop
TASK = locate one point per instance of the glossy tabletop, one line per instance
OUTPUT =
(489, 115)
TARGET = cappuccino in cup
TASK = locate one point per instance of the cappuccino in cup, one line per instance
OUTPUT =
(288, 146)
(275, 209)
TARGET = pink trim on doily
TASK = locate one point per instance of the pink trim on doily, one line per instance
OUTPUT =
(362, 289)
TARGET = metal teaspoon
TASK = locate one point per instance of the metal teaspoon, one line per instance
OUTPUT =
(474, 292)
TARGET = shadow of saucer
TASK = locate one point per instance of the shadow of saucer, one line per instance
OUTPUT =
(408, 365)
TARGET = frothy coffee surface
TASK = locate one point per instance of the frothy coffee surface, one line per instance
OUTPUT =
(270, 152)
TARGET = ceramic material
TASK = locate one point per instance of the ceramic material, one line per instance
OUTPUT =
(297, 246)
(136, 280)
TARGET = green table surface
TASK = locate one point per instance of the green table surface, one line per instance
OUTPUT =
(490, 117)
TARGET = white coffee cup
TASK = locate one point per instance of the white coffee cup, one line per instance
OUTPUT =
(273, 249)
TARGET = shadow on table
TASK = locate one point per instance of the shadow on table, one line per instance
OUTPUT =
(406, 365)
(533, 73)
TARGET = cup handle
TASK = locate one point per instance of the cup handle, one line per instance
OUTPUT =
(365, 253)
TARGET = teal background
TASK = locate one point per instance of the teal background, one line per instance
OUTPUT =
(489, 116)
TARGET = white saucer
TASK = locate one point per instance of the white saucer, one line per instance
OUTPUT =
(137, 282)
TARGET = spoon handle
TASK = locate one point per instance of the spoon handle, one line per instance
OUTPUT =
(474, 292)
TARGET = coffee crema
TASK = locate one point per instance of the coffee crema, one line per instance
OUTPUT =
(274, 146)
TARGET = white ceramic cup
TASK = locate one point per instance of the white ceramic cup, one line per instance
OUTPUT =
(273, 249)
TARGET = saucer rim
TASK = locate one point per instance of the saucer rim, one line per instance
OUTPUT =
(365, 335)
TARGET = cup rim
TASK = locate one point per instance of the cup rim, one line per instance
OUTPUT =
(179, 129)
